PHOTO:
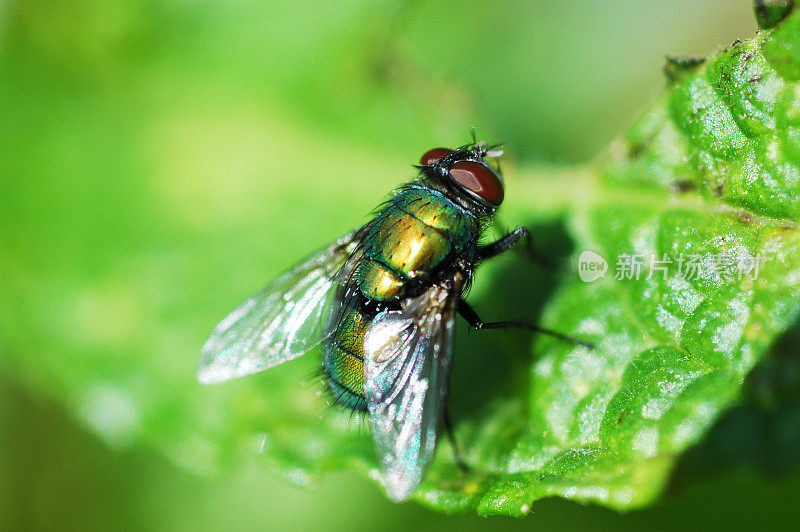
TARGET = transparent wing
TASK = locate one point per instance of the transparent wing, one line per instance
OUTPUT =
(407, 363)
(281, 322)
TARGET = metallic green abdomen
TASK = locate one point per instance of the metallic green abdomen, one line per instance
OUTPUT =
(417, 232)
(343, 359)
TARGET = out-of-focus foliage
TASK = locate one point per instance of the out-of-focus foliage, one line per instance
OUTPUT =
(770, 12)
(160, 160)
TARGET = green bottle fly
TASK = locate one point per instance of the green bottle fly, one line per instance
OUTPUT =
(382, 300)
(414, 235)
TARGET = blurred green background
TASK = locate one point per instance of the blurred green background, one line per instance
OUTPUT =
(160, 160)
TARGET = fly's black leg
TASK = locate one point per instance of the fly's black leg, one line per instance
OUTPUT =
(510, 240)
(469, 314)
(507, 242)
(448, 426)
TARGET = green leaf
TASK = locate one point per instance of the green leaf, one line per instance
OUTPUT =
(707, 172)
(761, 431)
(99, 320)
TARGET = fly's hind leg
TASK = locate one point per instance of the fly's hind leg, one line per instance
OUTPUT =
(510, 240)
(457, 457)
(469, 314)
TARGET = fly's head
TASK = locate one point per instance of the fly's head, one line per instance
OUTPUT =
(465, 175)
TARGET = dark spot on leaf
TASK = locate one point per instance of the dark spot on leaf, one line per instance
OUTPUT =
(683, 186)
(635, 150)
(747, 57)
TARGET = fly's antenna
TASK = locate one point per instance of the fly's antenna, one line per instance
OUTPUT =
(474, 136)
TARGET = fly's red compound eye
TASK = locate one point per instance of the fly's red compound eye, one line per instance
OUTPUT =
(480, 180)
(431, 156)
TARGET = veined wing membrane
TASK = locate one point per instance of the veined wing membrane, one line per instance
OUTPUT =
(280, 322)
(407, 364)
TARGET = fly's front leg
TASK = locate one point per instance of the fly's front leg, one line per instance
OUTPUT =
(510, 240)
(469, 314)
(507, 242)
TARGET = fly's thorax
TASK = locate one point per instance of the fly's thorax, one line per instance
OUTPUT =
(417, 232)
(434, 210)
(408, 246)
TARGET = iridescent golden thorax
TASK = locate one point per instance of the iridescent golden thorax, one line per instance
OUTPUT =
(411, 237)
